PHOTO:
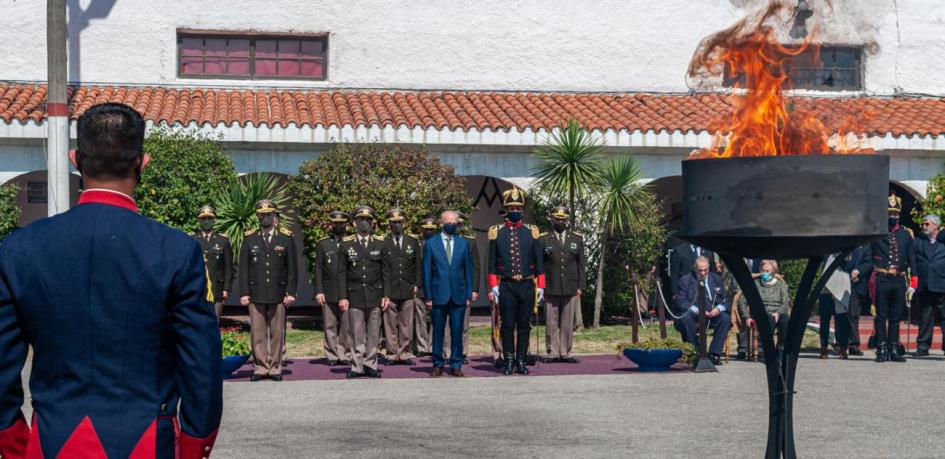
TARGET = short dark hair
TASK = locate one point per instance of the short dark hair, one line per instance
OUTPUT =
(110, 141)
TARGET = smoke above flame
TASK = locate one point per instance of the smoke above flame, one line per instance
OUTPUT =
(764, 121)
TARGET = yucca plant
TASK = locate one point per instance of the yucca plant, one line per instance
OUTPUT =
(568, 163)
(236, 206)
(619, 194)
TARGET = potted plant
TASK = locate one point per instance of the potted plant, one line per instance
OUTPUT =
(236, 352)
(658, 354)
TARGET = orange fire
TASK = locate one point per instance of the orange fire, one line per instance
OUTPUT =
(764, 121)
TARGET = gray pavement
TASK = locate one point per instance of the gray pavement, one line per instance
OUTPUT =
(843, 409)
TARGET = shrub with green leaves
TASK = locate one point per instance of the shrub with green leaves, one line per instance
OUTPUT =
(9, 212)
(379, 175)
(236, 205)
(234, 342)
(187, 170)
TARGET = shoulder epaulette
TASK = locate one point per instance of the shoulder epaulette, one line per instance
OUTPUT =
(535, 231)
(249, 233)
(578, 234)
(322, 239)
(471, 238)
(378, 238)
(493, 232)
(222, 235)
(412, 235)
(543, 234)
(285, 231)
(909, 230)
(349, 238)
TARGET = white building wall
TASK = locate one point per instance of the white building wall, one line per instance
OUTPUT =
(535, 45)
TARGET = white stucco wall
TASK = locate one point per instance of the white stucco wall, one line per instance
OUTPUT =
(539, 45)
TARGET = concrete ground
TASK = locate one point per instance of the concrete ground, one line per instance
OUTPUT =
(843, 409)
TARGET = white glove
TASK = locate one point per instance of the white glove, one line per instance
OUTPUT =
(495, 293)
(541, 294)
(910, 291)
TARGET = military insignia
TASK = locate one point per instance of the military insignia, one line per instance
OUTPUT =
(574, 246)
(217, 247)
(352, 252)
(535, 231)
(375, 253)
(493, 232)
(279, 248)
(409, 250)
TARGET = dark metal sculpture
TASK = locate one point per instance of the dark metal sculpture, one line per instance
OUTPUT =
(784, 207)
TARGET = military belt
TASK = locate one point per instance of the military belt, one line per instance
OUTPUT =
(891, 272)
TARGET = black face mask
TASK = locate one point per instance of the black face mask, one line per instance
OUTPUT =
(207, 225)
(266, 220)
(560, 227)
(338, 230)
(893, 221)
(397, 228)
(515, 216)
(363, 226)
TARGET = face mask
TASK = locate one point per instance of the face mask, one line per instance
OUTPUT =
(427, 234)
(893, 221)
(206, 225)
(766, 277)
(515, 216)
(397, 228)
(338, 230)
(449, 228)
(265, 221)
(363, 226)
(560, 227)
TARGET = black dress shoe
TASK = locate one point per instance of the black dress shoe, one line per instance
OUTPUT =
(921, 353)
(406, 362)
(456, 372)
(276, 378)
(716, 359)
(499, 362)
(255, 378)
(344, 363)
(437, 372)
(332, 363)
(520, 366)
(509, 362)
(569, 360)
(353, 374)
(855, 351)
(741, 356)
(372, 373)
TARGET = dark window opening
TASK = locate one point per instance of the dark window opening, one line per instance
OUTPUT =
(840, 69)
(251, 56)
(36, 193)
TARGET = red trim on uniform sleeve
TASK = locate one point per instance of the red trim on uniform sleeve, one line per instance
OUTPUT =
(13, 439)
(541, 281)
(914, 282)
(191, 447)
(493, 280)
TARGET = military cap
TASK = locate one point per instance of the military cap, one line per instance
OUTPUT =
(395, 215)
(265, 206)
(206, 211)
(560, 212)
(429, 223)
(337, 216)
(513, 197)
(895, 203)
(365, 211)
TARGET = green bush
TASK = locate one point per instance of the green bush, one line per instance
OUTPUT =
(382, 176)
(236, 206)
(792, 270)
(187, 170)
(234, 342)
(934, 202)
(9, 212)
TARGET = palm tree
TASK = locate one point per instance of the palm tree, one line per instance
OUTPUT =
(619, 195)
(236, 206)
(568, 165)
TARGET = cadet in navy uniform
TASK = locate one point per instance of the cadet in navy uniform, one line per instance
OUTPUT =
(328, 270)
(564, 266)
(402, 271)
(361, 292)
(218, 253)
(516, 278)
(268, 280)
(891, 258)
(119, 316)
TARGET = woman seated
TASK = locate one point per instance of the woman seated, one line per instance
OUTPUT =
(776, 297)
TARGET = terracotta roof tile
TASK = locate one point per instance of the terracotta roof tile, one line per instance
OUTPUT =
(459, 110)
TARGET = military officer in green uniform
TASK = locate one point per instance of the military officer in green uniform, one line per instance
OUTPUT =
(565, 280)
(218, 254)
(328, 271)
(465, 230)
(268, 271)
(421, 317)
(402, 271)
(361, 292)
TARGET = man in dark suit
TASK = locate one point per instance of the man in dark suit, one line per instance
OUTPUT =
(361, 292)
(683, 259)
(328, 270)
(268, 280)
(716, 306)
(447, 282)
(930, 294)
(218, 254)
(119, 316)
(464, 223)
(402, 271)
(566, 279)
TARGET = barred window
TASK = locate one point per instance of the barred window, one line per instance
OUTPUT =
(208, 54)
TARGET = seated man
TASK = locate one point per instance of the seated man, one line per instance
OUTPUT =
(717, 304)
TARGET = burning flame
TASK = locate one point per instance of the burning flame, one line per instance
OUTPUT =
(765, 122)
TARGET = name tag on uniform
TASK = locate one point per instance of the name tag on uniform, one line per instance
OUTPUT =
(375, 253)
(279, 248)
